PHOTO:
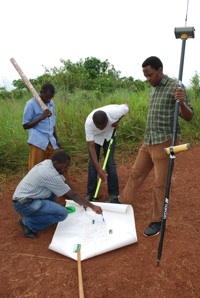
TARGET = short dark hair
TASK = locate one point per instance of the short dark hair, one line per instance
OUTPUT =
(48, 88)
(100, 117)
(153, 61)
(60, 156)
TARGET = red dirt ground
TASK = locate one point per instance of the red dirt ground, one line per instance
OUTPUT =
(30, 269)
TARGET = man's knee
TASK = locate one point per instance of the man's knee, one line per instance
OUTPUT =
(63, 214)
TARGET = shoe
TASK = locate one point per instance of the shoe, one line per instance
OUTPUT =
(90, 198)
(27, 232)
(153, 229)
(113, 199)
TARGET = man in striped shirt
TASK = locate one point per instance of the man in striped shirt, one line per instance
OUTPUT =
(34, 197)
(158, 135)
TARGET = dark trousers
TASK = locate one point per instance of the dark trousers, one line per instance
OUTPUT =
(112, 178)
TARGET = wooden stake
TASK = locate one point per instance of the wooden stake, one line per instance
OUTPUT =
(80, 278)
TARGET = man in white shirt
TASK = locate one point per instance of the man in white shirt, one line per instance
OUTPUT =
(99, 127)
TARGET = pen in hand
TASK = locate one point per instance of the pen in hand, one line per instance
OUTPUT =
(102, 217)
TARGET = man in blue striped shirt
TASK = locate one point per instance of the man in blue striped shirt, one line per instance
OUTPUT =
(34, 197)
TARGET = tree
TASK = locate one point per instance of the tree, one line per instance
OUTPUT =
(90, 74)
(195, 84)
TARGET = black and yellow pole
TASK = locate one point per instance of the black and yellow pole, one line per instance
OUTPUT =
(105, 162)
(183, 33)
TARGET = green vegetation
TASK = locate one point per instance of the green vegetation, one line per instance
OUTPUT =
(81, 87)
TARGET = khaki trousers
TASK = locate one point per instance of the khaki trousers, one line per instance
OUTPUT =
(149, 157)
(37, 155)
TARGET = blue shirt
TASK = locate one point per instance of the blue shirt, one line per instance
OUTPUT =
(42, 133)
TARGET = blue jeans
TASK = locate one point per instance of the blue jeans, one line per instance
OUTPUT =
(41, 213)
(112, 178)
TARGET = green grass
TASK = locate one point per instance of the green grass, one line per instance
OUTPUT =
(71, 112)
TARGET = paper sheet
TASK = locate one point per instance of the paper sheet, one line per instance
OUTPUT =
(96, 236)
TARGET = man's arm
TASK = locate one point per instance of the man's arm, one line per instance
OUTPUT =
(79, 199)
(56, 137)
(31, 124)
(117, 113)
(102, 174)
(186, 111)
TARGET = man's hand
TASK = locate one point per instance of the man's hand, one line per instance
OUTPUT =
(46, 113)
(115, 125)
(186, 111)
(58, 143)
(97, 209)
(103, 175)
(180, 94)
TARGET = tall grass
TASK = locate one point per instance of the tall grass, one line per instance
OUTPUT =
(71, 112)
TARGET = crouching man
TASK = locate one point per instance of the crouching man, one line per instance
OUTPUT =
(34, 197)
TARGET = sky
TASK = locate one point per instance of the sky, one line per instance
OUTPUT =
(39, 33)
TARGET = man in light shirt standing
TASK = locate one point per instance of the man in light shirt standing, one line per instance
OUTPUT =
(99, 127)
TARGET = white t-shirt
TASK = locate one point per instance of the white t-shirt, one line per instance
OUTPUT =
(114, 112)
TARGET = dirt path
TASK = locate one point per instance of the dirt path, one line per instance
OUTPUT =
(30, 269)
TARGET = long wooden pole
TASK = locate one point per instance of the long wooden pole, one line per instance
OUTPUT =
(28, 84)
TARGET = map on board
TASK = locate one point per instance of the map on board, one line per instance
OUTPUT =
(95, 233)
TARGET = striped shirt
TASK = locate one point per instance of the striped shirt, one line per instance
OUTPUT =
(160, 117)
(41, 181)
